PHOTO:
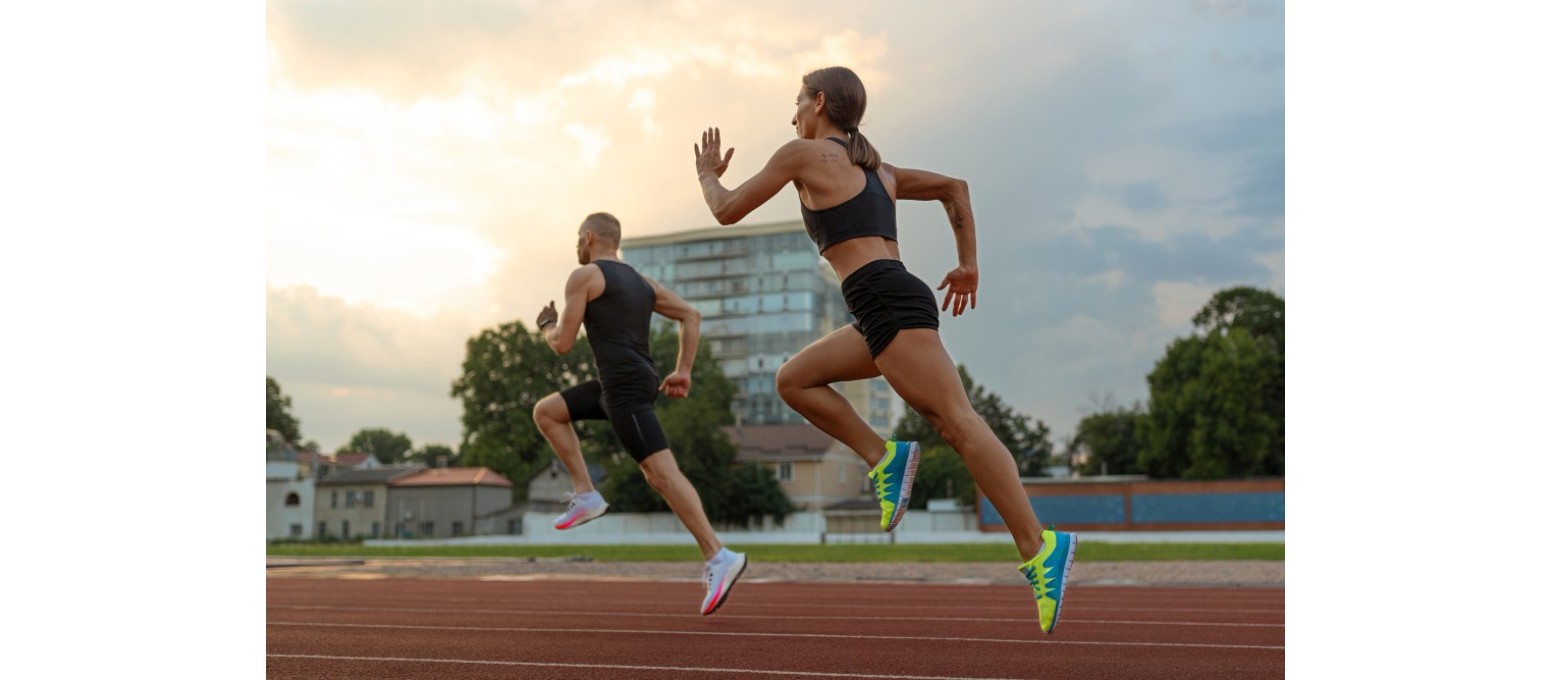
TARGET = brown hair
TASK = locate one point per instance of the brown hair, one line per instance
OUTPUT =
(845, 102)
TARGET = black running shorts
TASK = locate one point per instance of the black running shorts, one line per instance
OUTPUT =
(636, 425)
(886, 299)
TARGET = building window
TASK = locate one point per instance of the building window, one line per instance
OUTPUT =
(783, 472)
(344, 530)
(368, 497)
(427, 528)
(292, 500)
(349, 498)
(295, 531)
(457, 528)
(376, 528)
(511, 527)
(333, 499)
(322, 530)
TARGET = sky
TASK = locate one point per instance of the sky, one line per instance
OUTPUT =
(428, 163)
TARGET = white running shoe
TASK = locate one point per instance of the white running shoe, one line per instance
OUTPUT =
(584, 507)
(720, 573)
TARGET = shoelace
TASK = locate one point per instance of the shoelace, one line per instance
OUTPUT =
(1036, 580)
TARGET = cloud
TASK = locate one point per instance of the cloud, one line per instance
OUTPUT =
(431, 161)
(353, 366)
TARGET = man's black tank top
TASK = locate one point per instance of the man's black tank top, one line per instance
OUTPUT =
(869, 213)
(618, 327)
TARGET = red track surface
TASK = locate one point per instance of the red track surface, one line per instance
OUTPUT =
(554, 628)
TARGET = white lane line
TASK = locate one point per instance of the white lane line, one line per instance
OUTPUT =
(771, 617)
(718, 633)
(627, 667)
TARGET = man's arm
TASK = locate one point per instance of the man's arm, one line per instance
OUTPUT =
(561, 333)
(688, 318)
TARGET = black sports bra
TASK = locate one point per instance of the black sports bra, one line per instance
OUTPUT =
(869, 213)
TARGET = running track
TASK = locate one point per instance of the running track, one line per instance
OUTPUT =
(570, 628)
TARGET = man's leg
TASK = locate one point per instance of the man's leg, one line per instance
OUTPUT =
(642, 433)
(554, 422)
(554, 415)
(662, 473)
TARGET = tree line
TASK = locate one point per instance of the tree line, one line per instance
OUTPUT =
(1217, 406)
(1216, 409)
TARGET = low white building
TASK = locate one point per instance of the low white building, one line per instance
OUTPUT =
(290, 491)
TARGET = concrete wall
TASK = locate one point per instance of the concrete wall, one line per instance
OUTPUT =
(804, 528)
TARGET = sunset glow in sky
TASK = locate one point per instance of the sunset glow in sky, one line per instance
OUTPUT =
(429, 162)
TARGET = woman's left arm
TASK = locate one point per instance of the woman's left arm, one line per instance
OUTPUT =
(731, 205)
(920, 185)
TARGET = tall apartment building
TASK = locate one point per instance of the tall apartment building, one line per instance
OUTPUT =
(763, 294)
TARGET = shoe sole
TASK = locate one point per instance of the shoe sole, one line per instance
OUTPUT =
(1060, 599)
(578, 523)
(728, 592)
(909, 486)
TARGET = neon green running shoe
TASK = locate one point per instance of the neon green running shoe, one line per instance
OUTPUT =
(1047, 573)
(893, 478)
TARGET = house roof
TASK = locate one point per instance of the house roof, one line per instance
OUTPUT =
(782, 442)
(458, 476)
(345, 459)
(350, 459)
(368, 476)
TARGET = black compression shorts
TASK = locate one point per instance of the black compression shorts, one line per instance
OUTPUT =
(636, 425)
(886, 299)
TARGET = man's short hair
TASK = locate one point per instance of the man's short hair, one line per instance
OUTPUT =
(603, 225)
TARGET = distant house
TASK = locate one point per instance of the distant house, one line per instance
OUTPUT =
(813, 469)
(547, 488)
(288, 493)
(446, 502)
(324, 464)
(354, 503)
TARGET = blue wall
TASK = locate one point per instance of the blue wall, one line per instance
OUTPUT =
(1157, 508)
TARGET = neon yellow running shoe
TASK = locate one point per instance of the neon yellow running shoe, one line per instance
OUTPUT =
(1047, 573)
(893, 478)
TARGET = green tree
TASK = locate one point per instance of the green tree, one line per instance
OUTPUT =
(388, 447)
(1218, 396)
(279, 417)
(1110, 441)
(431, 455)
(694, 426)
(506, 370)
(1030, 445)
(942, 474)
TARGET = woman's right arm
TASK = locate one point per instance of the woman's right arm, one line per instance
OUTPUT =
(731, 205)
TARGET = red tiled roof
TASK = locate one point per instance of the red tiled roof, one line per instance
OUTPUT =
(350, 459)
(459, 476)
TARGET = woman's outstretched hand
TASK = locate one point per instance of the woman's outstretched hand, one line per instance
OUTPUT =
(707, 154)
(961, 284)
